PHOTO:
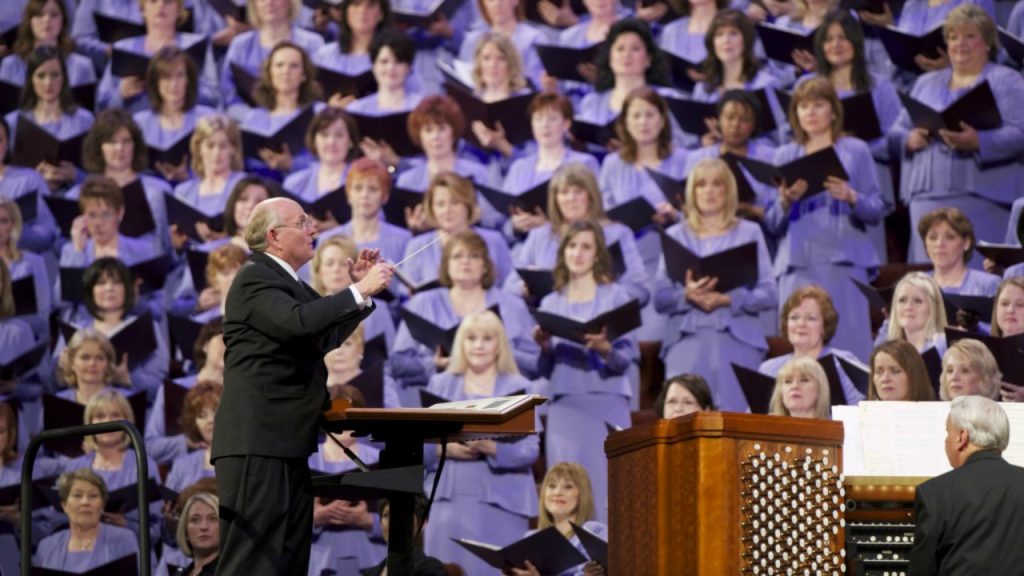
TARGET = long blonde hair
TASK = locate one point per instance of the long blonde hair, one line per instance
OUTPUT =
(936, 318)
(486, 321)
(576, 474)
(802, 365)
(707, 168)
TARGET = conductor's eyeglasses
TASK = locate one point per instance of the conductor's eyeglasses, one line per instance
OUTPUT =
(304, 223)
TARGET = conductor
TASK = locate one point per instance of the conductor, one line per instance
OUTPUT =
(277, 330)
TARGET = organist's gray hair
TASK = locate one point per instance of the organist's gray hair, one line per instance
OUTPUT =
(983, 419)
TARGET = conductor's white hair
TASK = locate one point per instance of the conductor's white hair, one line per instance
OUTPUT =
(984, 419)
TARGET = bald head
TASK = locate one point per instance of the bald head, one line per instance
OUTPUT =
(265, 216)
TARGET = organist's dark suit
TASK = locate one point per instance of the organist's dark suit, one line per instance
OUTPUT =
(970, 521)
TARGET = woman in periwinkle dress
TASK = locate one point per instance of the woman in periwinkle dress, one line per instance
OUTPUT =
(197, 422)
(487, 489)
(977, 171)
(712, 329)
(86, 543)
(506, 18)
(589, 30)
(684, 36)
(589, 384)
(24, 264)
(361, 21)
(822, 234)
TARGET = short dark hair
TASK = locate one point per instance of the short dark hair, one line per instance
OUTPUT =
(345, 34)
(859, 74)
(551, 100)
(742, 98)
(436, 109)
(657, 72)
(37, 58)
(714, 72)
(230, 226)
(25, 40)
(323, 120)
(400, 44)
(264, 93)
(160, 66)
(107, 267)
(107, 124)
(693, 384)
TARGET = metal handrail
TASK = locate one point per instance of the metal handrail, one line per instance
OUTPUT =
(142, 484)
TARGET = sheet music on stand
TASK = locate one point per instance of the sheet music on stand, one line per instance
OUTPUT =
(894, 439)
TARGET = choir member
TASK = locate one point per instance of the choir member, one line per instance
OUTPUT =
(21, 263)
(330, 139)
(450, 207)
(467, 280)
(273, 22)
(87, 542)
(45, 23)
(345, 363)
(977, 171)
(898, 374)
(39, 234)
(115, 148)
(949, 241)
(198, 534)
(503, 500)
(361, 21)
(247, 193)
(809, 321)
(367, 189)
(223, 263)
(918, 314)
(589, 383)
(801, 390)
(108, 456)
(685, 35)
(423, 565)
(287, 86)
(1008, 320)
(435, 125)
(710, 330)
(807, 17)
(497, 75)
(505, 17)
(969, 369)
(683, 394)
(85, 31)
(216, 160)
(566, 498)
(87, 366)
(573, 196)
(822, 234)
(161, 18)
(589, 30)
(47, 102)
(109, 298)
(172, 88)
(197, 422)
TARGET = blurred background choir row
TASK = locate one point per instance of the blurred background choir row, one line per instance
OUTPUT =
(776, 207)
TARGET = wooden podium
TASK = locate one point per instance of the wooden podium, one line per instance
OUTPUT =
(719, 493)
(400, 469)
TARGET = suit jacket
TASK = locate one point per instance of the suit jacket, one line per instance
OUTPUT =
(277, 331)
(970, 520)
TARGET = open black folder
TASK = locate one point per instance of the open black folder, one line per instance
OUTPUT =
(904, 46)
(618, 321)
(26, 362)
(596, 547)
(528, 200)
(977, 108)
(111, 29)
(173, 153)
(428, 333)
(734, 268)
(681, 68)
(11, 494)
(637, 213)
(187, 216)
(757, 388)
(335, 202)
(335, 82)
(28, 205)
(674, 190)
(184, 333)
(398, 202)
(61, 413)
(390, 128)
(592, 132)
(245, 83)
(24, 292)
(34, 145)
(124, 566)
(124, 63)
(422, 18)
(744, 188)
(64, 211)
(174, 403)
(1008, 352)
(509, 112)
(371, 383)
(1014, 47)
(292, 134)
(563, 62)
(830, 364)
(196, 260)
(136, 338)
(780, 42)
(547, 550)
(814, 168)
(1004, 255)
(138, 219)
(375, 350)
(933, 364)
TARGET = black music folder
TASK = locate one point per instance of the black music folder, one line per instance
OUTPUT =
(124, 566)
(126, 498)
(136, 338)
(33, 145)
(592, 132)
(85, 95)
(904, 46)
(1014, 47)
(24, 292)
(814, 168)
(681, 68)
(428, 333)
(596, 547)
(124, 63)
(71, 284)
(11, 494)
(563, 62)
(538, 282)
(64, 211)
(398, 202)
(390, 128)
(528, 200)
(422, 18)
(981, 306)
(187, 216)
(780, 42)
(857, 373)
(61, 413)
(547, 550)
(138, 217)
(878, 298)
(28, 205)
(245, 83)
(174, 403)
(618, 321)
(744, 189)
(830, 365)
(174, 153)
(111, 29)
(734, 268)
(692, 115)
(637, 213)
(184, 333)
(10, 94)
(1008, 351)
(371, 383)
(335, 82)
(15, 368)
(196, 260)
(375, 349)
(428, 399)
(674, 190)
(229, 9)
(933, 364)
(1005, 255)
(976, 108)
(860, 118)
(292, 134)
(509, 112)
(757, 388)
(335, 202)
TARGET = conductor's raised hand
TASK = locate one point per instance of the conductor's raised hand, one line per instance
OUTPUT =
(373, 281)
(365, 260)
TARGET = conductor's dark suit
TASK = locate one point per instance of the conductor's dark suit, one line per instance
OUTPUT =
(276, 330)
(970, 521)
